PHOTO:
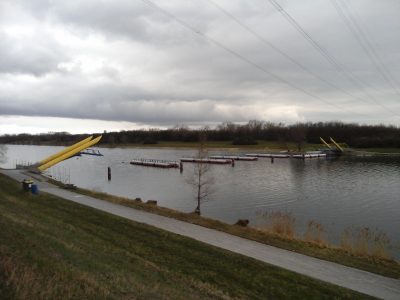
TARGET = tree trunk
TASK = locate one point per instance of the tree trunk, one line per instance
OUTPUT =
(197, 210)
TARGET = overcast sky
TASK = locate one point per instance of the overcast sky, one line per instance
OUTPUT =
(84, 66)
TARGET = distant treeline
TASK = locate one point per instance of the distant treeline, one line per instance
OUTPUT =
(354, 135)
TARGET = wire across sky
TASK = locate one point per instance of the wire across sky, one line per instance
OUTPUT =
(321, 50)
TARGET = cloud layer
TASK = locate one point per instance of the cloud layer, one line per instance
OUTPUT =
(135, 62)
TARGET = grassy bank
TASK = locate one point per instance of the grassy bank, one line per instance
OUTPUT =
(227, 145)
(380, 150)
(386, 267)
(261, 145)
(55, 249)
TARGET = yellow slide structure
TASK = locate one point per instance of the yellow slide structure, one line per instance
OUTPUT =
(70, 152)
(326, 144)
(54, 156)
(336, 144)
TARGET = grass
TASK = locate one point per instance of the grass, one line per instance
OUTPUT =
(262, 145)
(380, 150)
(279, 223)
(383, 266)
(315, 233)
(359, 241)
(56, 249)
(364, 241)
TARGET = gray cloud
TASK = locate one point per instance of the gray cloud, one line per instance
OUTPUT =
(36, 55)
(125, 61)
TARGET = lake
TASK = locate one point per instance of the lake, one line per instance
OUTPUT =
(338, 193)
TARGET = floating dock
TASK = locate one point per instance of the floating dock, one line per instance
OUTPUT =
(155, 163)
(90, 151)
(235, 157)
(309, 155)
(207, 160)
(269, 155)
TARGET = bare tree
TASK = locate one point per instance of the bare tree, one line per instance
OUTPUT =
(3, 150)
(298, 134)
(202, 180)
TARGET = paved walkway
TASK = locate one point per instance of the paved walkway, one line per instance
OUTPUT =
(361, 281)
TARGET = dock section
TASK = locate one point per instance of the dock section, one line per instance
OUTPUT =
(309, 155)
(155, 163)
(206, 160)
(234, 157)
(269, 155)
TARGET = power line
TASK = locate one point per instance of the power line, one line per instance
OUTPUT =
(280, 51)
(365, 43)
(312, 42)
(239, 56)
(328, 56)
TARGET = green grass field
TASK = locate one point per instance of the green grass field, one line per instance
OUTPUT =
(374, 264)
(55, 249)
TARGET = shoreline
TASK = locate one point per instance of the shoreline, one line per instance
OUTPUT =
(263, 146)
(382, 266)
(68, 236)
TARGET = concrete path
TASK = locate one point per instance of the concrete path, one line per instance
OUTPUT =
(361, 281)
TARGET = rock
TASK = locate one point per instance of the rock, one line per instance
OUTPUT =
(152, 202)
(242, 222)
(70, 186)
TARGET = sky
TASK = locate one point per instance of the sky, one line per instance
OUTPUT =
(89, 66)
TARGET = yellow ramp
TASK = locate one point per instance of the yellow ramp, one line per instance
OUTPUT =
(326, 144)
(336, 144)
(54, 156)
(69, 154)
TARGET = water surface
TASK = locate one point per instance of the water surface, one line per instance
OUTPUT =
(338, 193)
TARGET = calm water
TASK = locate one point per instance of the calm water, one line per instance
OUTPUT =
(337, 193)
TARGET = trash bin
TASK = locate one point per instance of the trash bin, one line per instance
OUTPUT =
(35, 189)
(27, 184)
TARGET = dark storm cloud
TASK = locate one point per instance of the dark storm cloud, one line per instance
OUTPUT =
(126, 61)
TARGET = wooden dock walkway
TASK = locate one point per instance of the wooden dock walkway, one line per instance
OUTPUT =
(155, 163)
(269, 155)
(234, 157)
(206, 160)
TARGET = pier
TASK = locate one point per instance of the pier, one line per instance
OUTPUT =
(223, 159)
(207, 160)
(269, 155)
(309, 155)
(155, 163)
(90, 151)
(234, 157)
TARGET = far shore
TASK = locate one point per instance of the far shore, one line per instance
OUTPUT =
(265, 146)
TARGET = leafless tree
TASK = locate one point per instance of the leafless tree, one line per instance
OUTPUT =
(3, 150)
(298, 134)
(202, 180)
